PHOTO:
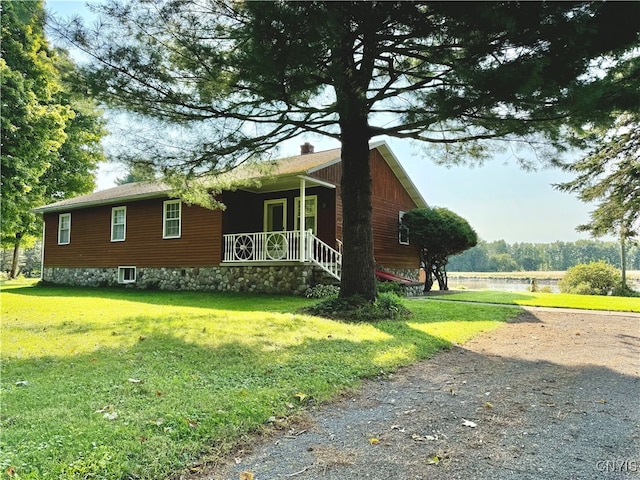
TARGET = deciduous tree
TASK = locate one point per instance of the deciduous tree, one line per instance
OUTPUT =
(437, 234)
(50, 136)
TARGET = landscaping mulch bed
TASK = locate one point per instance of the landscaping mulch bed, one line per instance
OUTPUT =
(551, 395)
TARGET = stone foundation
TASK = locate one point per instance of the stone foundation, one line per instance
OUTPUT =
(286, 279)
(279, 279)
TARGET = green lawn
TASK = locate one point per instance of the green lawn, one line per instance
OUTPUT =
(540, 299)
(100, 383)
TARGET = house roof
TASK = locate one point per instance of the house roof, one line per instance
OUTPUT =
(305, 164)
(285, 174)
(122, 193)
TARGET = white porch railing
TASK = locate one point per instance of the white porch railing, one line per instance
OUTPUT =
(327, 258)
(281, 246)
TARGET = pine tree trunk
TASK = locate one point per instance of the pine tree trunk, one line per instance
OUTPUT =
(351, 84)
(16, 256)
(358, 265)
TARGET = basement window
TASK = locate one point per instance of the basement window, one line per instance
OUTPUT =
(126, 274)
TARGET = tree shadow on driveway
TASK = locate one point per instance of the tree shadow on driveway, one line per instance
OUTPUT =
(554, 395)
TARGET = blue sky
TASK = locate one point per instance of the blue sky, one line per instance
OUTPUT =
(500, 201)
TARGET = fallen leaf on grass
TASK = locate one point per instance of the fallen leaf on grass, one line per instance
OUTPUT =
(191, 423)
(135, 380)
(468, 423)
(110, 415)
(374, 441)
(108, 412)
(488, 405)
(246, 476)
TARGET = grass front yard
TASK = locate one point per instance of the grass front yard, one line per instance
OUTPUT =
(541, 299)
(115, 384)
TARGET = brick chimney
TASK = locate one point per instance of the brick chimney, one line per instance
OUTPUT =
(306, 148)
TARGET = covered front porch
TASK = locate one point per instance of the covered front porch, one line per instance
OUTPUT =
(305, 203)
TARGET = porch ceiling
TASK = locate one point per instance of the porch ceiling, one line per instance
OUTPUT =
(285, 182)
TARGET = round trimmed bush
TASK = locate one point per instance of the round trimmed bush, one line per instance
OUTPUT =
(595, 278)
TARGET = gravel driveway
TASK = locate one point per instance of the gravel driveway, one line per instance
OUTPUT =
(552, 395)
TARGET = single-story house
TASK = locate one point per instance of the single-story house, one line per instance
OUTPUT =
(263, 241)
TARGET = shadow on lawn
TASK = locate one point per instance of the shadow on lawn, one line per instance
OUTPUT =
(242, 302)
(484, 295)
(197, 299)
(178, 398)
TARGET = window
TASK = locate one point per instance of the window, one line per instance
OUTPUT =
(126, 274)
(171, 227)
(118, 224)
(310, 213)
(403, 231)
(64, 228)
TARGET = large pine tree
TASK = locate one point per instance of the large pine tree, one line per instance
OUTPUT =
(610, 175)
(239, 78)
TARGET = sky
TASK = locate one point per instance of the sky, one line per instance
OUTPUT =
(499, 199)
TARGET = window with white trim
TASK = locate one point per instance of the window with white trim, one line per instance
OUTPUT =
(172, 219)
(403, 230)
(126, 274)
(118, 224)
(310, 213)
(64, 228)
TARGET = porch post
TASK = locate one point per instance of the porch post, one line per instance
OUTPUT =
(301, 212)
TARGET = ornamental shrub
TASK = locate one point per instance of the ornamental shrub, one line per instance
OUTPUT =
(322, 291)
(393, 287)
(595, 278)
(387, 306)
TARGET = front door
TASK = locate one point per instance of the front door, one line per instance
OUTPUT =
(275, 215)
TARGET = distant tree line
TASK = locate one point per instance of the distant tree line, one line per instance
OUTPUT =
(499, 256)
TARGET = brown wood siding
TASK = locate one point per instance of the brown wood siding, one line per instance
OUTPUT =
(202, 229)
(333, 174)
(91, 245)
(389, 198)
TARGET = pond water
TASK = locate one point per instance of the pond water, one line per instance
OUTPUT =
(502, 284)
(512, 284)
